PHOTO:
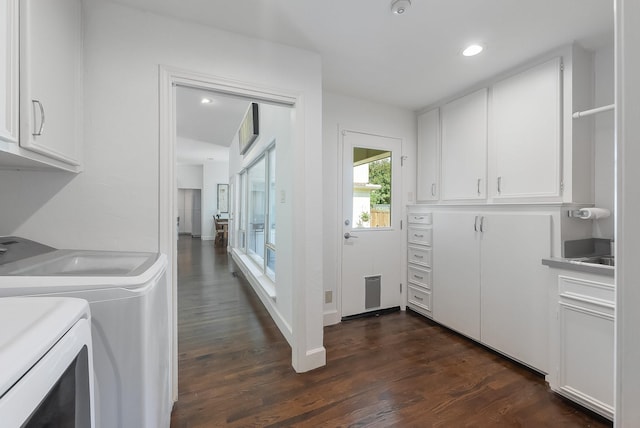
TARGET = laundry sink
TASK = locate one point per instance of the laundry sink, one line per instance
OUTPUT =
(81, 263)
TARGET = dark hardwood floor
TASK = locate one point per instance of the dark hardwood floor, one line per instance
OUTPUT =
(397, 370)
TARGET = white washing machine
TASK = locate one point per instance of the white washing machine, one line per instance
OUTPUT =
(128, 294)
(47, 370)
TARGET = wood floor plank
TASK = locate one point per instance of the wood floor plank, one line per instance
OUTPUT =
(396, 370)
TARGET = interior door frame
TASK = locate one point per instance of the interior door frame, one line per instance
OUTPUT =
(342, 130)
(169, 79)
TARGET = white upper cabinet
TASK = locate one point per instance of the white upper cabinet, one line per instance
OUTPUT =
(525, 133)
(464, 147)
(515, 141)
(51, 79)
(428, 156)
(9, 71)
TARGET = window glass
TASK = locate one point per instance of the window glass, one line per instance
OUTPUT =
(271, 263)
(272, 196)
(256, 193)
(371, 188)
(242, 209)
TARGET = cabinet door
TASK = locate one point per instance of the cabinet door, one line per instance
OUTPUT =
(428, 156)
(456, 272)
(514, 303)
(9, 71)
(51, 78)
(586, 357)
(464, 147)
(525, 133)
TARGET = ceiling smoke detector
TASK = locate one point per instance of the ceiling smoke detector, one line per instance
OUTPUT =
(399, 7)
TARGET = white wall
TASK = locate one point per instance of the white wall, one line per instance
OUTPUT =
(342, 112)
(604, 141)
(276, 126)
(189, 176)
(214, 173)
(114, 203)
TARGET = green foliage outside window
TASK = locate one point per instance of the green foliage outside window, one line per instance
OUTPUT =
(380, 173)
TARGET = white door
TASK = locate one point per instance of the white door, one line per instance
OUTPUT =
(371, 213)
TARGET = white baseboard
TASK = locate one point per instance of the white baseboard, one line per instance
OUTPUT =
(331, 317)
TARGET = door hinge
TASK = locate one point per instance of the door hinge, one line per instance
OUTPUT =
(400, 224)
(561, 187)
(400, 288)
(402, 159)
(562, 66)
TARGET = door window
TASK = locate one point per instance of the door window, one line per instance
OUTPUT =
(371, 188)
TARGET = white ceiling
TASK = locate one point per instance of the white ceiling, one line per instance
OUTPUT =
(411, 60)
(205, 131)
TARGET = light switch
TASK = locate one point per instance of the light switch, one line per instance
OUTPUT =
(283, 196)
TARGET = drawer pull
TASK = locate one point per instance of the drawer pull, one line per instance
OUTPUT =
(418, 276)
(418, 236)
(417, 298)
(418, 256)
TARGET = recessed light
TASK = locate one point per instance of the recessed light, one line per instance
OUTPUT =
(206, 101)
(472, 50)
(399, 7)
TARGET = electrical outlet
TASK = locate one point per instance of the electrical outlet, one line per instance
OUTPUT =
(328, 296)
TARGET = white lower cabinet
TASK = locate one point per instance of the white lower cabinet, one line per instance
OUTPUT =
(583, 354)
(419, 269)
(488, 281)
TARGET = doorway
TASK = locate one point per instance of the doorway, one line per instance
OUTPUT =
(370, 219)
(306, 353)
(189, 212)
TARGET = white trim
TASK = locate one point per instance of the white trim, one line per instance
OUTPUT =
(627, 228)
(169, 77)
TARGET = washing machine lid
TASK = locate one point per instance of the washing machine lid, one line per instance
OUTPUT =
(30, 327)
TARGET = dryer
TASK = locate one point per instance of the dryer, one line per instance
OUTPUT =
(47, 369)
(128, 294)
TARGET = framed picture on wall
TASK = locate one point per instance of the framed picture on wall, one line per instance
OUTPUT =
(223, 198)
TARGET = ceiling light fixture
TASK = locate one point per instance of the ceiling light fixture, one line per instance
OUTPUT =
(398, 7)
(206, 101)
(472, 50)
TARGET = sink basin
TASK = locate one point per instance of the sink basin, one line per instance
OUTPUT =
(597, 260)
(81, 263)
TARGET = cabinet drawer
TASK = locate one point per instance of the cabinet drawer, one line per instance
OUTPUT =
(420, 218)
(420, 255)
(420, 297)
(419, 235)
(420, 276)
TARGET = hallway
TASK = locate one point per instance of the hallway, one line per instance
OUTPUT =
(396, 370)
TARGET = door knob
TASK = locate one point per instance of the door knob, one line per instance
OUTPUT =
(347, 235)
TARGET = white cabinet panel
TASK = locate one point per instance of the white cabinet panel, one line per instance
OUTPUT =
(489, 283)
(525, 130)
(464, 147)
(428, 156)
(9, 71)
(456, 272)
(514, 303)
(585, 346)
(51, 78)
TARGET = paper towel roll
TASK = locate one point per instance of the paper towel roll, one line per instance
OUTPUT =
(594, 213)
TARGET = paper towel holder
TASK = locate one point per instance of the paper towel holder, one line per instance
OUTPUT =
(576, 214)
(584, 214)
